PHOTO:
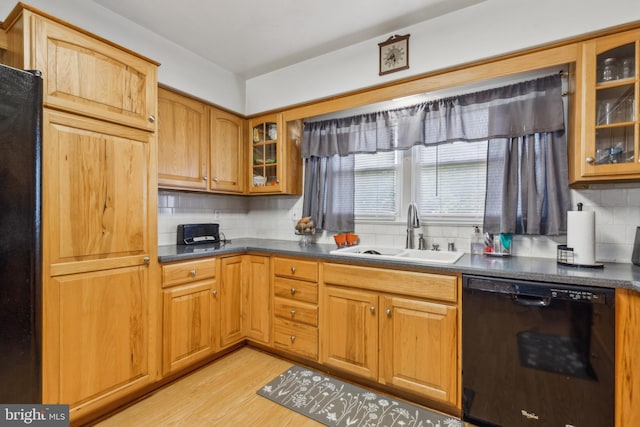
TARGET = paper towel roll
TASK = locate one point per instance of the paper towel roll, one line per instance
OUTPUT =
(581, 236)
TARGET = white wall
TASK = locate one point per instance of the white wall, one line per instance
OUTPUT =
(179, 68)
(488, 29)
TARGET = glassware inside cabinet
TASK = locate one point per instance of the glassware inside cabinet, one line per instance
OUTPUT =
(615, 105)
(616, 64)
(615, 145)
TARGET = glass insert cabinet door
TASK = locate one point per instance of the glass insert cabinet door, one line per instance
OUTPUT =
(265, 148)
(611, 132)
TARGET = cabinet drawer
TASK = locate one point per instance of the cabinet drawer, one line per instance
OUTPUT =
(296, 311)
(174, 274)
(296, 269)
(423, 285)
(296, 338)
(296, 290)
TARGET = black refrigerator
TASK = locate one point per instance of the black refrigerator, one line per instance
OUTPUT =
(20, 235)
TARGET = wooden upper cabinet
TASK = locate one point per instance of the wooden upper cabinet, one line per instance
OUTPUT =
(84, 74)
(606, 138)
(275, 165)
(226, 150)
(183, 145)
(199, 147)
(95, 205)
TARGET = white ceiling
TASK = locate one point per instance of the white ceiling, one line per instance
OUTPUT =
(253, 37)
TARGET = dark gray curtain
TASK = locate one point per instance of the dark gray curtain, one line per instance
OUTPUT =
(328, 192)
(527, 188)
(509, 112)
(527, 185)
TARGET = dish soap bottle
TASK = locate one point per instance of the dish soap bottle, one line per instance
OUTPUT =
(477, 242)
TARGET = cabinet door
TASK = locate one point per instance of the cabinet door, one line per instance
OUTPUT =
(187, 324)
(349, 328)
(419, 347)
(87, 76)
(96, 336)
(257, 298)
(229, 302)
(226, 159)
(266, 154)
(607, 95)
(183, 140)
(96, 206)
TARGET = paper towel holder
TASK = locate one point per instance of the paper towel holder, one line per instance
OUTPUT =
(565, 254)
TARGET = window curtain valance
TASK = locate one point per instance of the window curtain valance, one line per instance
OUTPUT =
(516, 110)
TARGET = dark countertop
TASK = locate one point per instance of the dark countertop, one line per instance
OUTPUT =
(613, 275)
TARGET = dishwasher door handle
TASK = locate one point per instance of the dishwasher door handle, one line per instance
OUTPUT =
(531, 301)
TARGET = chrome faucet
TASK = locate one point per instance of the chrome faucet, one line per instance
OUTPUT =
(413, 221)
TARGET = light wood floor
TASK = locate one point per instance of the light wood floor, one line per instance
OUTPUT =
(220, 394)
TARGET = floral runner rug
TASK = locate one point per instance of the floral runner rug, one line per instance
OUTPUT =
(335, 403)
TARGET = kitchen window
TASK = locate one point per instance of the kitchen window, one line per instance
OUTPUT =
(447, 181)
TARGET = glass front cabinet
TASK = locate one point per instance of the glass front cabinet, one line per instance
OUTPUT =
(606, 122)
(275, 162)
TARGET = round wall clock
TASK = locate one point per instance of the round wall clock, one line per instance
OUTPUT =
(394, 54)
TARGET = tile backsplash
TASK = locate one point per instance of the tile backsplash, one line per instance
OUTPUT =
(617, 208)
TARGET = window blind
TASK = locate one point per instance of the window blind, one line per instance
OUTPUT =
(376, 185)
(450, 179)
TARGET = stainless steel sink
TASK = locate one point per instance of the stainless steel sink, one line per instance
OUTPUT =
(395, 254)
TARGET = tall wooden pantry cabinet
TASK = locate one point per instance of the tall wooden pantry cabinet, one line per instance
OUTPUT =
(99, 210)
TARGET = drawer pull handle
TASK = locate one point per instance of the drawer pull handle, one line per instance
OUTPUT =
(214, 293)
(146, 260)
(293, 313)
(372, 309)
(293, 270)
(193, 273)
(388, 312)
(292, 338)
(293, 291)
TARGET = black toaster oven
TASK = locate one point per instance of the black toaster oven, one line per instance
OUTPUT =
(194, 234)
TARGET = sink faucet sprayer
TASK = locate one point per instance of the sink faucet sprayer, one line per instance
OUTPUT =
(413, 221)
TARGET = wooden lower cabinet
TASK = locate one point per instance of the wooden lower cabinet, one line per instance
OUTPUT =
(228, 306)
(350, 331)
(97, 337)
(257, 299)
(408, 342)
(418, 343)
(187, 325)
(295, 306)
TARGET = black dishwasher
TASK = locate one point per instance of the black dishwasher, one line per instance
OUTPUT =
(537, 354)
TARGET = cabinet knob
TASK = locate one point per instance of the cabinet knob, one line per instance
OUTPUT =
(214, 293)
(372, 309)
(205, 178)
(146, 260)
(193, 273)
(293, 291)
(293, 313)
(388, 312)
(152, 118)
(215, 179)
(590, 159)
(292, 338)
(293, 270)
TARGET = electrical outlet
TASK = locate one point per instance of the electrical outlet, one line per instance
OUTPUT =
(216, 214)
